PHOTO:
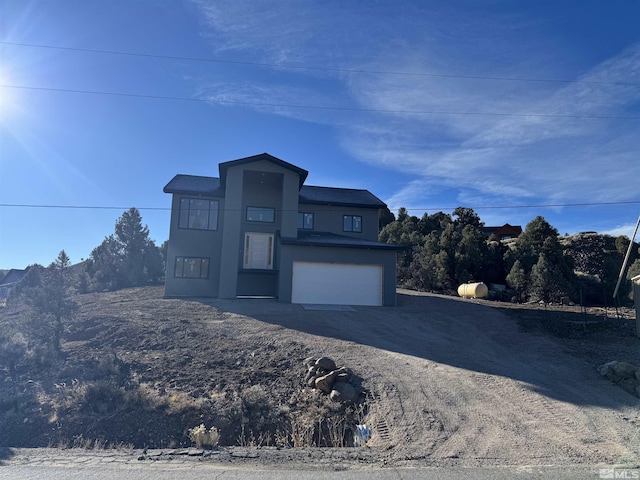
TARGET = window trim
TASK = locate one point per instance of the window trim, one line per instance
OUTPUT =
(303, 214)
(351, 219)
(183, 259)
(188, 210)
(267, 209)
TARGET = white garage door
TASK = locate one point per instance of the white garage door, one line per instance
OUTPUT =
(336, 284)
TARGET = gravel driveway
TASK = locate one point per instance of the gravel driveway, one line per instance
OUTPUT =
(455, 382)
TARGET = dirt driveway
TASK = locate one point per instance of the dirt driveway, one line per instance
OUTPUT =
(455, 382)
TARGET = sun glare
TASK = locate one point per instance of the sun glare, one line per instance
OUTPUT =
(5, 96)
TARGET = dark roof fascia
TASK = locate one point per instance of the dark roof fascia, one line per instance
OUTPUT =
(331, 240)
(222, 167)
(195, 185)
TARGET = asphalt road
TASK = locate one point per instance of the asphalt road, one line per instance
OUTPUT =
(164, 472)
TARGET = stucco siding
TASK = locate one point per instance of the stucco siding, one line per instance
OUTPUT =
(328, 218)
(193, 243)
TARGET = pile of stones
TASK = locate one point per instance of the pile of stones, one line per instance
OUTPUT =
(623, 374)
(338, 382)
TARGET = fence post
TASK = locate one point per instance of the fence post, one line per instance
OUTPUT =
(636, 300)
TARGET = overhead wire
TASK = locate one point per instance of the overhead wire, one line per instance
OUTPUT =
(315, 68)
(480, 207)
(321, 107)
(316, 107)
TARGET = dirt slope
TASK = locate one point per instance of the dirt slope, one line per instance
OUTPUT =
(449, 381)
(454, 381)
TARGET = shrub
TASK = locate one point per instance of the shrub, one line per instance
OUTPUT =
(204, 438)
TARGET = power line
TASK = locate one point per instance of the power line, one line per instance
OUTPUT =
(319, 107)
(543, 205)
(482, 207)
(317, 68)
(78, 207)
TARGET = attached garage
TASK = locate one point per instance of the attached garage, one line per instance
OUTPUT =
(337, 283)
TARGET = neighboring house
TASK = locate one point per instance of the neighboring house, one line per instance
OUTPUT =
(257, 230)
(505, 232)
(10, 280)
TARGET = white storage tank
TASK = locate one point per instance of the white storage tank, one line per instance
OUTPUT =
(473, 290)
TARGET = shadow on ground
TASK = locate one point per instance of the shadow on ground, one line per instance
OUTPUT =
(461, 333)
(5, 454)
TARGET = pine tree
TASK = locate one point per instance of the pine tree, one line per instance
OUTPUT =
(47, 291)
(127, 258)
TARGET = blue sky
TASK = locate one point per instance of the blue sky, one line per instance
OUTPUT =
(428, 104)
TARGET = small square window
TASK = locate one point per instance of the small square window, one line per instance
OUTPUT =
(352, 223)
(305, 221)
(261, 214)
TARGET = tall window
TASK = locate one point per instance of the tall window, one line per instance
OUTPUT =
(191, 267)
(199, 214)
(352, 223)
(305, 221)
(261, 214)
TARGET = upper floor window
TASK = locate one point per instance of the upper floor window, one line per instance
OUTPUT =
(261, 214)
(198, 214)
(191, 267)
(305, 221)
(352, 223)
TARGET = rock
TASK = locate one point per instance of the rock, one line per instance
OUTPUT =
(309, 361)
(311, 373)
(326, 363)
(325, 382)
(311, 382)
(345, 393)
(605, 369)
(630, 385)
(343, 377)
(625, 370)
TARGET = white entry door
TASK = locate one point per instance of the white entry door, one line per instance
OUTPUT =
(258, 251)
(336, 283)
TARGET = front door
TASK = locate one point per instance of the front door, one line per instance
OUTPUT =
(258, 251)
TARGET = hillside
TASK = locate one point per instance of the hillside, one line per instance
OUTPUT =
(446, 381)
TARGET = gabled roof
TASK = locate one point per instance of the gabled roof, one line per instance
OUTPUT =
(215, 187)
(339, 196)
(326, 239)
(257, 158)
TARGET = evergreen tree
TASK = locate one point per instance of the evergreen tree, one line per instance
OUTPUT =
(126, 258)
(548, 282)
(141, 259)
(517, 279)
(466, 216)
(47, 291)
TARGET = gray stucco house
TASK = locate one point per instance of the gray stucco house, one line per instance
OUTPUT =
(258, 230)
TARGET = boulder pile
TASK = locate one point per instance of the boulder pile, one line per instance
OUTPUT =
(338, 382)
(623, 374)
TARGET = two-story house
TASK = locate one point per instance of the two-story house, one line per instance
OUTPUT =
(257, 230)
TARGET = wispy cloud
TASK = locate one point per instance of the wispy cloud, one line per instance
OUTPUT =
(626, 230)
(549, 147)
